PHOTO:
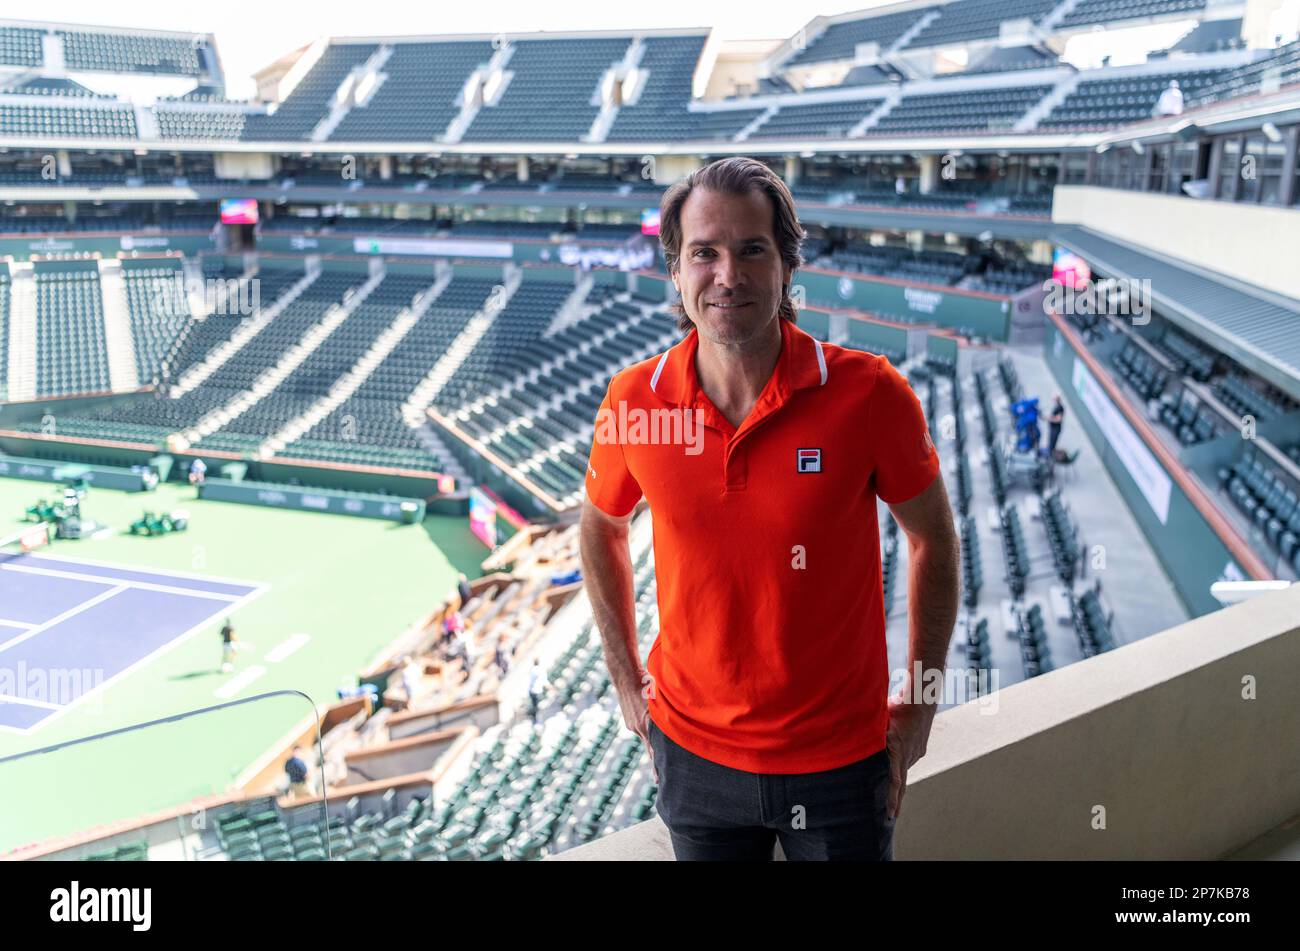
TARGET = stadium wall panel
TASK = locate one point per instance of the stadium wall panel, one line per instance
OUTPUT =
(981, 314)
(816, 323)
(54, 406)
(44, 470)
(877, 336)
(341, 477)
(87, 451)
(653, 287)
(941, 348)
(338, 502)
(22, 249)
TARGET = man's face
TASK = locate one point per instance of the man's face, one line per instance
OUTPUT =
(730, 273)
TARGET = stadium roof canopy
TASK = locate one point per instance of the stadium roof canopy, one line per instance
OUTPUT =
(1258, 329)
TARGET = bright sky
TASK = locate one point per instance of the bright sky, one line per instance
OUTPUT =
(252, 34)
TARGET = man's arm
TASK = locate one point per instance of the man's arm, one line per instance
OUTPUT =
(933, 591)
(607, 576)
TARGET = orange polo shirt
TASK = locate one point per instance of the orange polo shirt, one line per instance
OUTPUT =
(771, 651)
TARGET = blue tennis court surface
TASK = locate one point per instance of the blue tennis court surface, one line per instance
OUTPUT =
(69, 627)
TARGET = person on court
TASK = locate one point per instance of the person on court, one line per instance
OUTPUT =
(228, 647)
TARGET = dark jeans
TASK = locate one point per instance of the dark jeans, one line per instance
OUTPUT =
(714, 812)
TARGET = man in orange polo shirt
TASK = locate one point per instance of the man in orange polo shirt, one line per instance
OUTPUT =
(761, 452)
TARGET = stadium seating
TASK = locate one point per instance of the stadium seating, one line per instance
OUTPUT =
(1015, 554)
(963, 488)
(417, 100)
(1280, 68)
(131, 53)
(826, 120)
(979, 655)
(965, 20)
(1092, 624)
(934, 267)
(153, 419)
(1032, 633)
(539, 421)
(1010, 380)
(660, 109)
(1011, 279)
(839, 40)
(1267, 499)
(4, 326)
(970, 110)
(323, 368)
(210, 124)
(527, 315)
(309, 102)
(71, 355)
(1208, 36)
(548, 99)
(1189, 357)
(1116, 11)
(103, 122)
(368, 428)
(1191, 421)
(159, 310)
(1061, 537)
(1140, 371)
(1244, 399)
(972, 574)
(1102, 103)
(889, 563)
(20, 46)
(1007, 59)
(50, 86)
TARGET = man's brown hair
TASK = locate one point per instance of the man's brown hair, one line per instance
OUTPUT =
(736, 175)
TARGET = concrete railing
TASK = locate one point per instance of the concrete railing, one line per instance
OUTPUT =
(1183, 745)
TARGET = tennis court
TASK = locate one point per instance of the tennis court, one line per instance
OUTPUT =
(313, 598)
(70, 627)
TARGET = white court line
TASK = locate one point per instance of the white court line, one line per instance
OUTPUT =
(190, 575)
(71, 612)
(5, 622)
(286, 647)
(142, 585)
(28, 702)
(238, 682)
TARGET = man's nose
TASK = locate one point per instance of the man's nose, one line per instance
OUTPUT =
(725, 274)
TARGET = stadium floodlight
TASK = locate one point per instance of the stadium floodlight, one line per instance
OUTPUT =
(1103, 148)
(1138, 147)
(1234, 592)
(1270, 130)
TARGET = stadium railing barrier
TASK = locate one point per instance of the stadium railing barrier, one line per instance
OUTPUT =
(163, 789)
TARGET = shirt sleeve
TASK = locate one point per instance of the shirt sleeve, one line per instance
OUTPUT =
(905, 461)
(610, 486)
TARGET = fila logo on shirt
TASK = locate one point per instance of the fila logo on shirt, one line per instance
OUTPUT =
(808, 460)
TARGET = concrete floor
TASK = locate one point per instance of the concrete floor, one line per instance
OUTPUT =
(1133, 584)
